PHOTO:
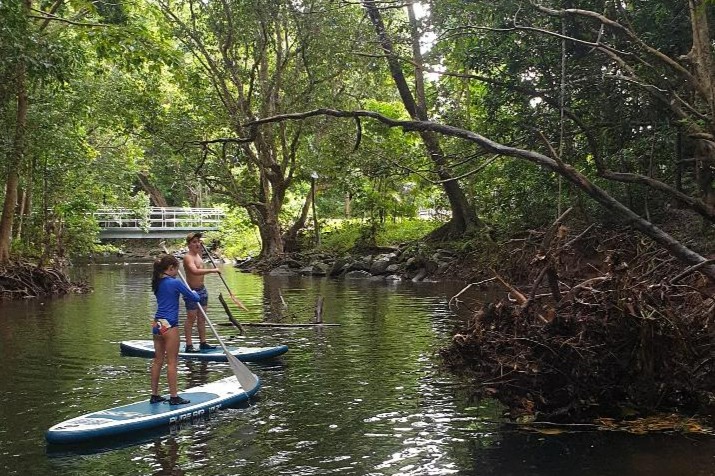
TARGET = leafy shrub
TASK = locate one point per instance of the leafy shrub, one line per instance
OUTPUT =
(238, 237)
(405, 230)
(342, 236)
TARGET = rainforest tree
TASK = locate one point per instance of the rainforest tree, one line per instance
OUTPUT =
(644, 77)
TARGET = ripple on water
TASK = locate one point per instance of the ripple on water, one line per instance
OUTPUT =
(363, 398)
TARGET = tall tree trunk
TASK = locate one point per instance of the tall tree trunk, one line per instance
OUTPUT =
(703, 65)
(464, 218)
(28, 205)
(26, 208)
(20, 212)
(156, 198)
(271, 240)
(15, 156)
(290, 237)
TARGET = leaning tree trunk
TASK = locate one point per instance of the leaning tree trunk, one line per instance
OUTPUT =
(464, 218)
(290, 237)
(155, 196)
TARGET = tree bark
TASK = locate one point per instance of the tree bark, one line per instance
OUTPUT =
(464, 218)
(290, 237)
(15, 158)
(703, 65)
(270, 230)
(156, 198)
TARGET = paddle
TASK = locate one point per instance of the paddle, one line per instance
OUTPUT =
(233, 298)
(230, 314)
(245, 377)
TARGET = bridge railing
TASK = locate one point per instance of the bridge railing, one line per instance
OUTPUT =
(160, 217)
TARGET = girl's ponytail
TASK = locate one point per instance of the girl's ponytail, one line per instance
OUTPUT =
(161, 264)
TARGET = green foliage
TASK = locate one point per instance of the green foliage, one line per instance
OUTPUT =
(104, 249)
(133, 95)
(342, 236)
(79, 235)
(405, 230)
(238, 237)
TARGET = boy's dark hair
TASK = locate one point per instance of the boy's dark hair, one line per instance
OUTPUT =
(192, 235)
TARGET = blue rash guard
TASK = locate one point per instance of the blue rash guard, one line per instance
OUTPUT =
(167, 299)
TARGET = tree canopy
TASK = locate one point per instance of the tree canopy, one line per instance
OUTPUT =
(503, 113)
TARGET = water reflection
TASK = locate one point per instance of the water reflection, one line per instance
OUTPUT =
(365, 397)
(196, 371)
(519, 453)
(166, 455)
(288, 301)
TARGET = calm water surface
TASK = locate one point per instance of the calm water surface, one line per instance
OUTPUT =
(365, 398)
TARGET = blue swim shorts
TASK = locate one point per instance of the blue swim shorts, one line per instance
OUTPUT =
(203, 294)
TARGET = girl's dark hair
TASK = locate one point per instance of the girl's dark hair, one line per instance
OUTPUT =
(161, 264)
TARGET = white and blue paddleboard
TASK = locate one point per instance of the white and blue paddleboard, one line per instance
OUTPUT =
(134, 417)
(145, 348)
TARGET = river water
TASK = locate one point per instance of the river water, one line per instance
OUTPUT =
(366, 397)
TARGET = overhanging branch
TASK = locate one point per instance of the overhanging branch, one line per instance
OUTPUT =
(568, 172)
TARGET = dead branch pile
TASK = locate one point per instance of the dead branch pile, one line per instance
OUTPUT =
(634, 334)
(26, 280)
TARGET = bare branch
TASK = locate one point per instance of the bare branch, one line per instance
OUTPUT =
(48, 17)
(665, 59)
(568, 172)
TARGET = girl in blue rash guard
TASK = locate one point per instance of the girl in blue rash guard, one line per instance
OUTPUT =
(165, 328)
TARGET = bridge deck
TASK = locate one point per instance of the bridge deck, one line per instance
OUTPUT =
(157, 222)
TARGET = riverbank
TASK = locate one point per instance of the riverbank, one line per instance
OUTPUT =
(595, 325)
(23, 280)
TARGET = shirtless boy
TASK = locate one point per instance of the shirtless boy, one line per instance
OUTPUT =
(195, 272)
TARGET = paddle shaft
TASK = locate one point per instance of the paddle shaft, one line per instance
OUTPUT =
(214, 265)
(239, 304)
(244, 376)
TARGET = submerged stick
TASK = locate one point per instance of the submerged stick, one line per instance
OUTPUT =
(318, 311)
(232, 319)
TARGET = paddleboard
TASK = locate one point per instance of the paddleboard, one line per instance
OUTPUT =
(145, 348)
(204, 399)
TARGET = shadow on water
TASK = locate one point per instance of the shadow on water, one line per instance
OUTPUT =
(521, 453)
(365, 397)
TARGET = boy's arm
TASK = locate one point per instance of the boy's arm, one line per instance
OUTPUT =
(191, 268)
(186, 292)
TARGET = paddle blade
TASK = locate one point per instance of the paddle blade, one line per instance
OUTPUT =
(236, 301)
(246, 378)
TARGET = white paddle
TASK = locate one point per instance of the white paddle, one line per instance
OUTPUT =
(245, 377)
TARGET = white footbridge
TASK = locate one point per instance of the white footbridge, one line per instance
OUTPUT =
(156, 222)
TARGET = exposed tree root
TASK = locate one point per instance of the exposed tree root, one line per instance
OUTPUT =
(612, 326)
(25, 280)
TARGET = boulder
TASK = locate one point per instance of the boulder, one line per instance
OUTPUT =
(357, 274)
